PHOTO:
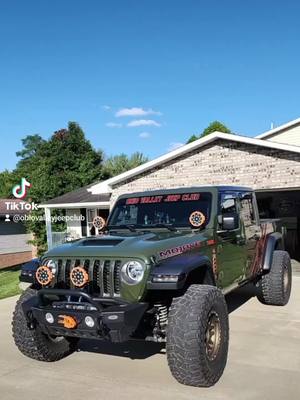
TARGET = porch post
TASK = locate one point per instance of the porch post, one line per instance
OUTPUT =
(48, 227)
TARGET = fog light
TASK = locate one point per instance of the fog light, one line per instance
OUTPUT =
(49, 318)
(89, 321)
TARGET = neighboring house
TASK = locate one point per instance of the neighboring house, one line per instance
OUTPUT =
(265, 163)
(288, 133)
(78, 203)
(14, 247)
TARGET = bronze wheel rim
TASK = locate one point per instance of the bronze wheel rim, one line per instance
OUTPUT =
(286, 279)
(213, 336)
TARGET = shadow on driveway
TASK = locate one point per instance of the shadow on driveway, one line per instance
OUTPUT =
(240, 296)
(139, 349)
(134, 349)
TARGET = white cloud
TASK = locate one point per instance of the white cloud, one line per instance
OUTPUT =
(175, 145)
(135, 112)
(113, 125)
(143, 122)
(106, 108)
(144, 135)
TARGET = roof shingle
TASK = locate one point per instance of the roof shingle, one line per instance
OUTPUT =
(79, 196)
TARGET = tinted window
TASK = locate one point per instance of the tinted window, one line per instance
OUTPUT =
(147, 211)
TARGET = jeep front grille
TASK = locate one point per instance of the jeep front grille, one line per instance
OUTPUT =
(104, 275)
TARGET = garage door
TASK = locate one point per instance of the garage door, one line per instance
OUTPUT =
(283, 204)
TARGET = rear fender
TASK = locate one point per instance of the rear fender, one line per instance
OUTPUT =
(274, 242)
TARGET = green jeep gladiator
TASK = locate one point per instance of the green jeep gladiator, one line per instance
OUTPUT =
(159, 271)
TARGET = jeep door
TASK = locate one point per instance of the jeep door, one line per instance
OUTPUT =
(231, 248)
(251, 232)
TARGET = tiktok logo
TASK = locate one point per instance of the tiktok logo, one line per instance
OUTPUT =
(20, 191)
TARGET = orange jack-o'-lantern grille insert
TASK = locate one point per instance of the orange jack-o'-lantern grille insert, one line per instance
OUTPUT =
(44, 275)
(79, 277)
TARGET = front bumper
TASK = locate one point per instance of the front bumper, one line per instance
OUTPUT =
(113, 319)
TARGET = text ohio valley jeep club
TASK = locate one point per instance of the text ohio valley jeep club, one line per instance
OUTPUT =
(158, 272)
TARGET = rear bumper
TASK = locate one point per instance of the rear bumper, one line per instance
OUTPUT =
(113, 319)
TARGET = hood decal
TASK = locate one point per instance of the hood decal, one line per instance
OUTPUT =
(175, 251)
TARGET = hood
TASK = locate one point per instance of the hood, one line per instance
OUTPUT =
(136, 245)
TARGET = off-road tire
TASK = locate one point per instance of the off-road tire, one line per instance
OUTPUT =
(186, 346)
(275, 286)
(34, 343)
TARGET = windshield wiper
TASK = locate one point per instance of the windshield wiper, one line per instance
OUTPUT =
(132, 228)
(168, 226)
(123, 226)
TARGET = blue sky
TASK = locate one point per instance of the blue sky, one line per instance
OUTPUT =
(179, 64)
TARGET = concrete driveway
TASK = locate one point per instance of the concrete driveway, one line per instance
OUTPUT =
(264, 362)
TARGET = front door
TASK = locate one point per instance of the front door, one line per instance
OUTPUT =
(231, 249)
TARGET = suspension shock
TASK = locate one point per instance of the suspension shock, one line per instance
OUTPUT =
(159, 331)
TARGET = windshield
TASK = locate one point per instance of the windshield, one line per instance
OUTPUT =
(178, 210)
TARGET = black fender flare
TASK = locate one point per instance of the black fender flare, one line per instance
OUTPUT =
(181, 266)
(28, 270)
(274, 242)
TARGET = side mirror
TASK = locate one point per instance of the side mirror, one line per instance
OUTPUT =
(229, 222)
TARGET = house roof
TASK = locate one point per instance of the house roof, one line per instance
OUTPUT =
(279, 129)
(106, 186)
(82, 197)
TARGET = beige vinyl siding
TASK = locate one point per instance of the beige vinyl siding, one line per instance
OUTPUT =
(15, 243)
(290, 136)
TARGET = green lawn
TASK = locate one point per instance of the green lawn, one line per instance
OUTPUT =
(9, 282)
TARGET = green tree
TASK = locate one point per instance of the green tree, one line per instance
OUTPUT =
(215, 126)
(31, 145)
(64, 163)
(212, 127)
(192, 138)
(115, 165)
(7, 181)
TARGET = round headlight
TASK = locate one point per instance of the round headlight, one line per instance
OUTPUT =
(52, 265)
(133, 272)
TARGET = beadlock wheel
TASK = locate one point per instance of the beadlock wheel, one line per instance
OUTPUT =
(275, 286)
(197, 336)
(213, 336)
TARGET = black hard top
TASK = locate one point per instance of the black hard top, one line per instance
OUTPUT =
(189, 189)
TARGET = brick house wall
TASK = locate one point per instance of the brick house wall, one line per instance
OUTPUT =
(15, 250)
(9, 260)
(222, 162)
